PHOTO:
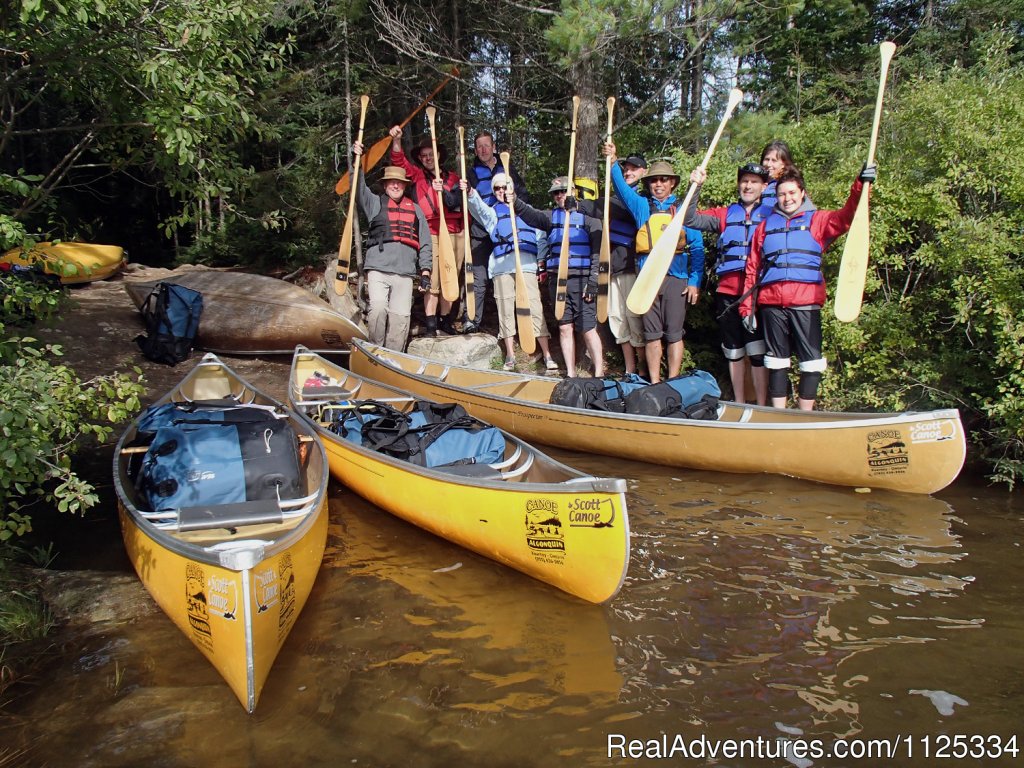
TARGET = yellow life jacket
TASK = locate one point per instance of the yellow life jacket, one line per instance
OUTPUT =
(649, 233)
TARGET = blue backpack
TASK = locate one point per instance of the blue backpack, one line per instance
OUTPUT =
(210, 453)
(171, 313)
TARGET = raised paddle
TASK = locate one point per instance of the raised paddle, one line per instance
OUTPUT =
(373, 155)
(445, 250)
(524, 318)
(605, 264)
(470, 296)
(854, 265)
(563, 255)
(345, 246)
(651, 276)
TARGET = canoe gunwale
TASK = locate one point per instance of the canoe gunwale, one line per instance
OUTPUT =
(235, 555)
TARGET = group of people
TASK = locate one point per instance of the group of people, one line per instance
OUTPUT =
(770, 286)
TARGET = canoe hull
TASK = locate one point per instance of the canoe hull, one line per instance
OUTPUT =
(74, 263)
(556, 525)
(235, 591)
(254, 314)
(911, 452)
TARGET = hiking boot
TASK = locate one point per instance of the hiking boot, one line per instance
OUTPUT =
(470, 327)
(444, 325)
(430, 329)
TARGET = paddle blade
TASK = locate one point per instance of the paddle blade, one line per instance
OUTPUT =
(524, 318)
(446, 263)
(652, 275)
(603, 277)
(854, 265)
(371, 157)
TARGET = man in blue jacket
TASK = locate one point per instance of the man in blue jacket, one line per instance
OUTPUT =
(663, 323)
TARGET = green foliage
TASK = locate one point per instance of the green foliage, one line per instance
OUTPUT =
(46, 411)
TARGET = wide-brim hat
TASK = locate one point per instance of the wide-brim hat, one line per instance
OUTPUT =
(394, 173)
(559, 184)
(660, 168)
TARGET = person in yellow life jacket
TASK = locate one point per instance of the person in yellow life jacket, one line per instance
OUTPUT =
(398, 249)
(663, 323)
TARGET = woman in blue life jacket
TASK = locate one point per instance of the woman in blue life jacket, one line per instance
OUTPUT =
(776, 158)
(663, 322)
(398, 249)
(581, 281)
(496, 221)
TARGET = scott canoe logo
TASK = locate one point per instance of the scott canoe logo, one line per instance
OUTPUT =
(887, 452)
(222, 596)
(932, 431)
(543, 526)
(266, 589)
(286, 580)
(196, 607)
(591, 513)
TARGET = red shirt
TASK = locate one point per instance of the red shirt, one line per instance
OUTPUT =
(826, 226)
(426, 197)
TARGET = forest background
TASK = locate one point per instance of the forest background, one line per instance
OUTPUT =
(215, 132)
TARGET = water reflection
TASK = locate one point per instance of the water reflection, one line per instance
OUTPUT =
(754, 606)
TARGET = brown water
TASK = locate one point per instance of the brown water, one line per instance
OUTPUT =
(754, 607)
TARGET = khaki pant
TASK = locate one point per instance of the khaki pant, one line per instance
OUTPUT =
(459, 246)
(624, 325)
(390, 306)
(505, 298)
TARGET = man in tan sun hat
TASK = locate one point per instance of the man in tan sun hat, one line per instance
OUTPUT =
(398, 249)
(663, 323)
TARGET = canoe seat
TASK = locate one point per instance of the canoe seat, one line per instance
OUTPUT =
(476, 471)
(229, 515)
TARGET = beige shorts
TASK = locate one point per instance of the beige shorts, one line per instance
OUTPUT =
(505, 298)
(459, 245)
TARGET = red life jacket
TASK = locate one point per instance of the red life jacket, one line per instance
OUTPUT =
(396, 222)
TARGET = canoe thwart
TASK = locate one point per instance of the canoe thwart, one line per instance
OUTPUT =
(229, 515)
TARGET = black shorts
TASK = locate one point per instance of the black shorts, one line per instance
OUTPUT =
(665, 318)
(788, 332)
(737, 341)
(579, 313)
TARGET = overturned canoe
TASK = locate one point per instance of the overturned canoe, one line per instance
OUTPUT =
(254, 314)
(910, 452)
(524, 510)
(72, 262)
(232, 577)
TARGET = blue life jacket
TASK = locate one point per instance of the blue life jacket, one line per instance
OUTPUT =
(483, 186)
(768, 197)
(621, 225)
(579, 241)
(790, 252)
(734, 242)
(503, 245)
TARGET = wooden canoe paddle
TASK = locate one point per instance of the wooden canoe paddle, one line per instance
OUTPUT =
(604, 273)
(854, 265)
(373, 155)
(563, 257)
(524, 319)
(651, 276)
(470, 296)
(345, 246)
(445, 251)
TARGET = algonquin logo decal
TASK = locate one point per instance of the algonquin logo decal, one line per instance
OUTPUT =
(887, 452)
(544, 535)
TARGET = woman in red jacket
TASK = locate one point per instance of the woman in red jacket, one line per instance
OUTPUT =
(784, 285)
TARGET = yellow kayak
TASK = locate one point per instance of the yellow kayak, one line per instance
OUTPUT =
(72, 262)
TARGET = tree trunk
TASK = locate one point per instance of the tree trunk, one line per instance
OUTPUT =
(588, 129)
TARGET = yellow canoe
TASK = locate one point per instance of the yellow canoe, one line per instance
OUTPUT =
(911, 452)
(72, 262)
(528, 511)
(232, 584)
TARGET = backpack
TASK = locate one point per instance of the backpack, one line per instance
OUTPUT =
(171, 313)
(595, 394)
(690, 396)
(208, 453)
(432, 435)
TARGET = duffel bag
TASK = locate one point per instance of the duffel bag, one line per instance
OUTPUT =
(596, 394)
(690, 396)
